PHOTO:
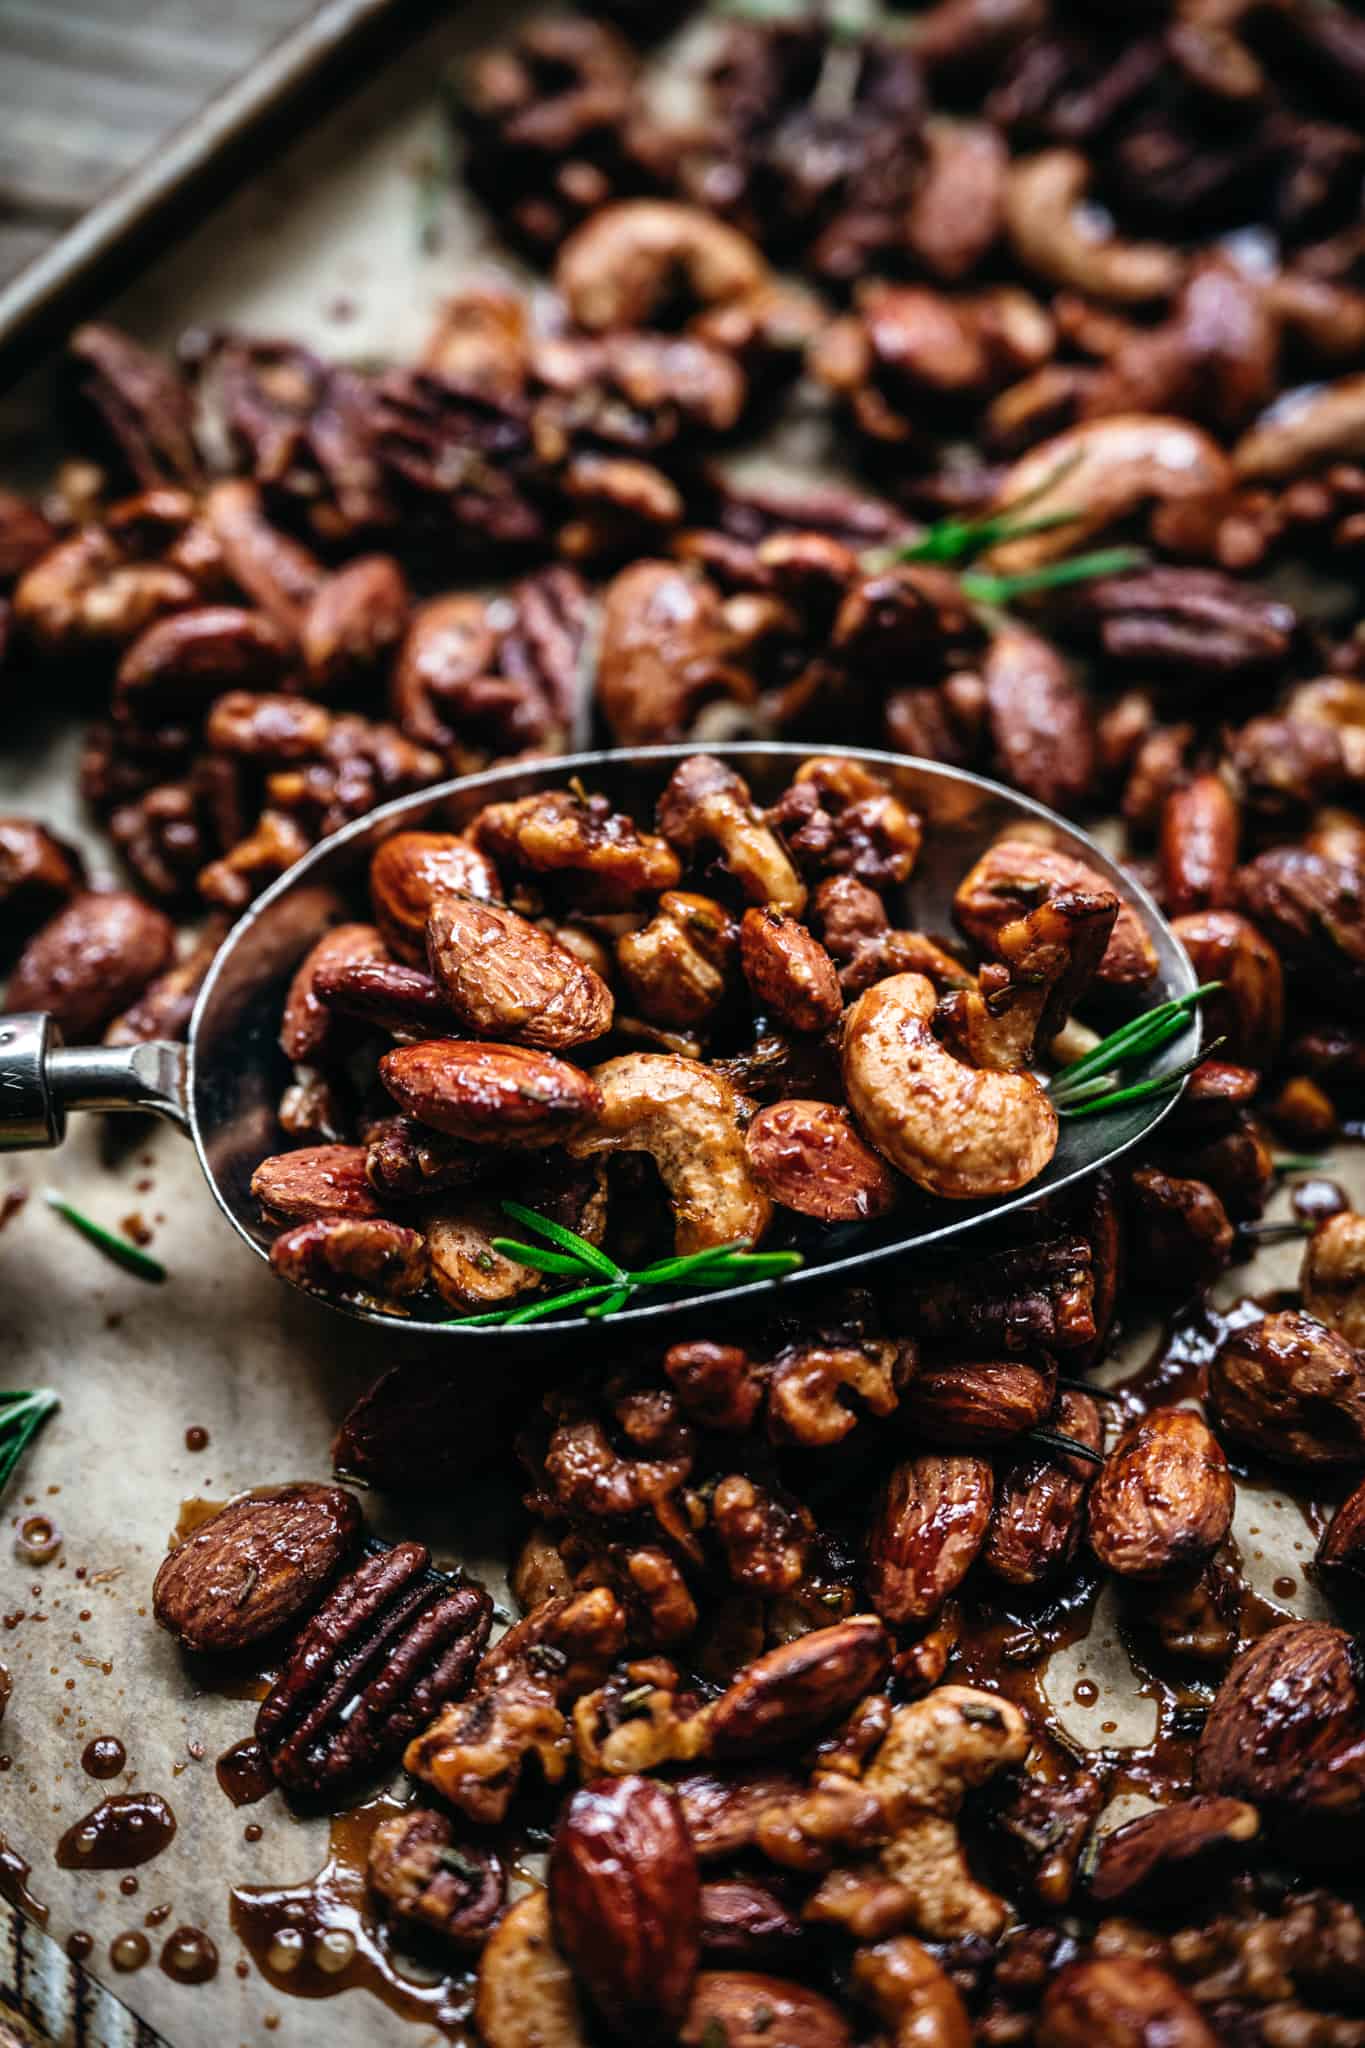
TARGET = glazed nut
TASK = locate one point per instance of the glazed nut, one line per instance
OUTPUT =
(676, 967)
(1041, 725)
(911, 1995)
(1014, 875)
(970, 1405)
(490, 1094)
(317, 1180)
(368, 1257)
(788, 971)
(929, 1523)
(92, 960)
(1199, 831)
(1120, 1999)
(686, 1117)
(809, 1157)
(746, 1922)
(505, 978)
(526, 1991)
(432, 1882)
(789, 1694)
(1287, 1733)
(39, 874)
(1340, 1559)
(1163, 1501)
(1043, 195)
(1292, 1390)
(1040, 1500)
(467, 1270)
(353, 624)
(954, 1130)
(407, 875)
(623, 267)
(383, 994)
(177, 664)
(1248, 1010)
(260, 1563)
(666, 653)
(1176, 1852)
(1333, 1276)
(256, 725)
(307, 1026)
(405, 1159)
(625, 1900)
(707, 808)
(749, 2009)
(388, 1648)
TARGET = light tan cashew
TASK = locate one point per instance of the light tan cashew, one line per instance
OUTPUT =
(1324, 423)
(1333, 1276)
(1043, 195)
(955, 1130)
(706, 804)
(687, 1119)
(465, 1269)
(911, 1995)
(1047, 961)
(624, 263)
(935, 1751)
(525, 1997)
(1103, 470)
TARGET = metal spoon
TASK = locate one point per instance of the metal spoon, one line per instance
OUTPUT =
(223, 1085)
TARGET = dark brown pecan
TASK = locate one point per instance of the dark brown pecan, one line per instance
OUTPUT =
(257, 1565)
(39, 873)
(1193, 623)
(1292, 1390)
(1312, 909)
(786, 1696)
(144, 406)
(1164, 1498)
(1119, 1999)
(434, 1883)
(177, 665)
(391, 1645)
(717, 1385)
(928, 1526)
(1163, 1859)
(766, 1541)
(967, 1404)
(91, 960)
(625, 1900)
(1287, 1732)
(1041, 725)
(839, 819)
(667, 651)
(1039, 1508)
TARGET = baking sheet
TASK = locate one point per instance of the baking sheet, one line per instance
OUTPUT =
(327, 248)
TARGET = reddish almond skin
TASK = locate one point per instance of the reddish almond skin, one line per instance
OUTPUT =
(929, 1524)
(746, 2009)
(260, 1562)
(1174, 1852)
(625, 1896)
(1164, 1500)
(1287, 1733)
(1040, 1500)
(407, 875)
(808, 1156)
(1341, 1553)
(307, 1021)
(317, 1180)
(506, 979)
(1293, 1390)
(966, 1404)
(789, 971)
(1199, 829)
(196, 655)
(92, 960)
(1119, 2002)
(789, 1693)
(489, 1094)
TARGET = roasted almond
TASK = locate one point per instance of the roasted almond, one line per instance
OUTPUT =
(317, 1180)
(490, 1094)
(929, 1523)
(788, 971)
(1040, 1499)
(308, 1022)
(964, 1403)
(747, 2009)
(625, 1899)
(1177, 1852)
(409, 872)
(810, 1157)
(1293, 1390)
(261, 1562)
(787, 1695)
(505, 978)
(1164, 1499)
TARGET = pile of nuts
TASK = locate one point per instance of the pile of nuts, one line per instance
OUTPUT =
(785, 1596)
(721, 1049)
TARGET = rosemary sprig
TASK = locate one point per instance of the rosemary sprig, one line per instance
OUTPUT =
(1066, 1446)
(21, 1417)
(961, 540)
(120, 1249)
(1001, 590)
(1087, 1086)
(604, 1287)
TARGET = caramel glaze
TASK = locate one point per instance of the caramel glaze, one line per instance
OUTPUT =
(14, 1877)
(244, 1773)
(125, 1830)
(319, 1938)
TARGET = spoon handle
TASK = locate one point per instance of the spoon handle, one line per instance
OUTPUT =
(41, 1079)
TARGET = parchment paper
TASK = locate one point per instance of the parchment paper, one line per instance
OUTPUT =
(325, 248)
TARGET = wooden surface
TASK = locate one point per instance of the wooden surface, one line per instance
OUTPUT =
(89, 87)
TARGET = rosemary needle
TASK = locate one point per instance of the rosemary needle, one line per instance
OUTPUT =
(22, 1415)
(121, 1250)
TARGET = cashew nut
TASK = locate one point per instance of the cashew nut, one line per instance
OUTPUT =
(911, 1995)
(1049, 959)
(935, 1751)
(687, 1119)
(526, 1996)
(707, 805)
(954, 1130)
(1051, 238)
(1323, 423)
(625, 264)
(1102, 470)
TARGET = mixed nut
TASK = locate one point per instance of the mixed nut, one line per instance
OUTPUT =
(1076, 297)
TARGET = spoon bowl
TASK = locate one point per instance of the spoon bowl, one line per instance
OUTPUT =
(224, 1085)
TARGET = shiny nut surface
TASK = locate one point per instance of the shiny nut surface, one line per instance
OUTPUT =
(810, 1157)
(504, 978)
(1164, 1498)
(489, 1094)
(260, 1563)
